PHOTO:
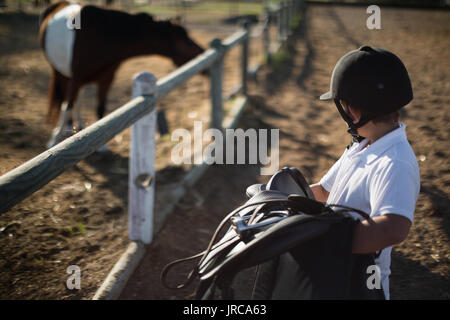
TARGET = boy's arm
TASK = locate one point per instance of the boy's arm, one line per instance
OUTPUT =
(374, 234)
(380, 232)
(319, 192)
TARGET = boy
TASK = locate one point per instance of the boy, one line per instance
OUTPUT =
(378, 173)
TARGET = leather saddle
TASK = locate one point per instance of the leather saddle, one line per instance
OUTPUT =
(265, 219)
(278, 217)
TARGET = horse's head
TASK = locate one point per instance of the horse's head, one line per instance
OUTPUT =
(182, 47)
(168, 38)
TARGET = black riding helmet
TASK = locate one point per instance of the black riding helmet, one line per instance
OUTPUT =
(373, 80)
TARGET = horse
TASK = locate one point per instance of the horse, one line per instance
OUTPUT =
(86, 44)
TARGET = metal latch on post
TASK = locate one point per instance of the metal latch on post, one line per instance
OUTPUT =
(143, 181)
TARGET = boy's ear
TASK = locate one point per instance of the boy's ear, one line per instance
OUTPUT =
(355, 114)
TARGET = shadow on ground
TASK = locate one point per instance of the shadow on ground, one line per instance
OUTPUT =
(408, 278)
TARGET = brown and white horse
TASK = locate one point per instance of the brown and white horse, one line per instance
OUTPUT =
(86, 44)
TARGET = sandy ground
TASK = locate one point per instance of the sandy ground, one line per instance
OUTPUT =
(80, 218)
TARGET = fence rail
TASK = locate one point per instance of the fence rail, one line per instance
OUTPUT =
(139, 113)
(22, 181)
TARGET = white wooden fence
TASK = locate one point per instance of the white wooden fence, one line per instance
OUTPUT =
(140, 113)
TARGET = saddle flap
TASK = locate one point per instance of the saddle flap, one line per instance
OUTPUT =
(277, 239)
(226, 250)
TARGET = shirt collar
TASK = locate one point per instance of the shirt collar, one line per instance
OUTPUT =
(377, 148)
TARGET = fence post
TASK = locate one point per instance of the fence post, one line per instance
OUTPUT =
(245, 44)
(216, 71)
(141, 178)
(290, 10)
(285, 19)
(296, 7)
(281, 31)
(279, 13)
(266, 37)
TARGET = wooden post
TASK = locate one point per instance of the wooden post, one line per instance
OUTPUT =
(290, 9)
(266, 36)
(301, 6)
(245, 58)
(216, 71)
(280, 22)
(296, 7)
(141, 178)
(285, 20)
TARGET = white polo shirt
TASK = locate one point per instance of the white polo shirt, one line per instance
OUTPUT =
(380, 179)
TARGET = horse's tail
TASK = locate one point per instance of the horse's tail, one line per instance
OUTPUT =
(55, 98)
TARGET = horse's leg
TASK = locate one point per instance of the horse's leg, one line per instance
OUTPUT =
(56, 114)
(76, 114)
(64, 127)
(57, 93)
(104, 84)
(80, 121)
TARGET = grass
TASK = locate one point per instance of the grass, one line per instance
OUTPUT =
(79, 229)
(39, 261)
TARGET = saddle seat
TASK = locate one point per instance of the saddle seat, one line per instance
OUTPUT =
(288, 181)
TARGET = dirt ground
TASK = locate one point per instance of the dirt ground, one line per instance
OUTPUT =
(80, 217)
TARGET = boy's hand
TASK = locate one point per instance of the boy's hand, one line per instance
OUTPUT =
(374, 234)
(319, 192)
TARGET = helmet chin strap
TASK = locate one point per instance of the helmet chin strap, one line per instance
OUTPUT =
(352, 127)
